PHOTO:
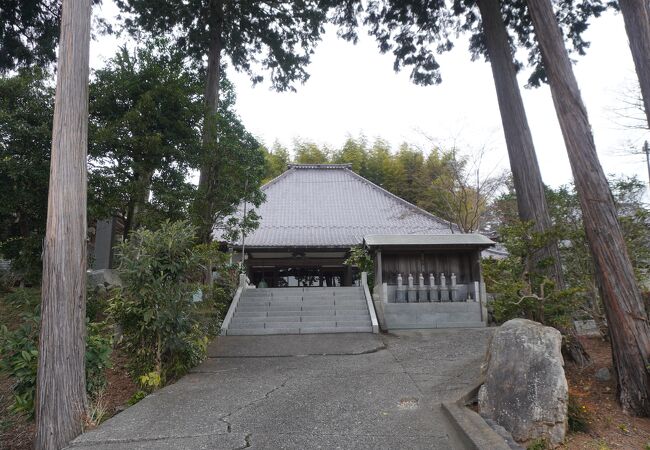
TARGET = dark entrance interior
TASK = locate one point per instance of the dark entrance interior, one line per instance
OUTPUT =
(302, 276)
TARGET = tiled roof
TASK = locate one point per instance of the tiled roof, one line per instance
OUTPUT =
(329, 205)
(424, 240)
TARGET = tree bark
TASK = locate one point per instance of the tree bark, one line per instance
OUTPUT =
(204, 203)
(137, 201)
(636, 15)
(626, 315)
(61, 385)
(531, 199)
(527, 178)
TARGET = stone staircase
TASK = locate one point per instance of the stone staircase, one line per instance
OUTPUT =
(301, 311)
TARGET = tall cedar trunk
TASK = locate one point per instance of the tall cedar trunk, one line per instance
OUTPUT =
(636, 15)
(531, 199)
(205, 204)
(61, 384)
(626, 315)
(137, 201)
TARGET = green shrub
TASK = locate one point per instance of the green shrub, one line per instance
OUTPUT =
(578, 415)
(135, 398)
(538, 444)
(519, 289)
(96, 305)
(26, 300)
(8, 279)
(19, 359)
(99, 346)
(162, 337)
(361, 259)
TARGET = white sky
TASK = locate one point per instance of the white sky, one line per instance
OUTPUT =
(353, 90)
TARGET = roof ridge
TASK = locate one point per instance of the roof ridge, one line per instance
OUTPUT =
(453, 227)
(320, 166)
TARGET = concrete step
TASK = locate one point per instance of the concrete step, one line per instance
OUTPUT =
(257, 308)
(330, 303)
(284, 325)
(248, 319)
(301, 311)
(293, 292)
(294, 325)
(301, 318)
(302, 299)
(351, 329)
(305, 330)
(353, 322)
(353, 314)
(260, 331)
(304, 294)
(299, 290)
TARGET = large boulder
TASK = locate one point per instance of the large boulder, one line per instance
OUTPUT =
(525, 389)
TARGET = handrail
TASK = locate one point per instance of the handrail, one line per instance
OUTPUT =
(479, 298)
(371, 305)
(243, 284)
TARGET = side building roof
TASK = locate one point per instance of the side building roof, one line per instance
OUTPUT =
(328, 205)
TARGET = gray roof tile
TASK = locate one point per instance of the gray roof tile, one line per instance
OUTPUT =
(331, 206)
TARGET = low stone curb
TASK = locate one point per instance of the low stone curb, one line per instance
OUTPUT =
(468, 429)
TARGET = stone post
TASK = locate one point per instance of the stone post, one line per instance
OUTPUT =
(104, 240)
(433, 289)
(243, 280)
(412, 293)
(422, 291)
(444, 291)
(400, 295)
(454, 288)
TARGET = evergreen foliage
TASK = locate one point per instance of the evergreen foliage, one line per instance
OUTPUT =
(415, 31)
(577, 262)
(520, 289)
(162, 338)
(29, 33)
(273, 36)
(26, 109)
(236, 170)
(276, 161)
(144, 112)
(144, 141)
(19, 349)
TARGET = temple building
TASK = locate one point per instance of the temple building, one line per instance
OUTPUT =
(425, 272)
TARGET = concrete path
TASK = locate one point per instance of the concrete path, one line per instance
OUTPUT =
(347, 391)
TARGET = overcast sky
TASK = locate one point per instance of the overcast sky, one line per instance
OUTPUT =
(353, 90)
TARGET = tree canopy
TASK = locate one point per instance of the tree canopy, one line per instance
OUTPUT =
(415, 31)
(26, 108)
(29, 32)
(145, 114)
(273, 36)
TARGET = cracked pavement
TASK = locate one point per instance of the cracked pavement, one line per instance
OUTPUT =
(339, 391)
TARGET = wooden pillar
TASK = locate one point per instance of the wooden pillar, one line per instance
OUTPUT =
(348, 276)
(476, 266)
(378, 269)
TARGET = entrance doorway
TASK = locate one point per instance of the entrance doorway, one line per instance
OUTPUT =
(278, 277)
